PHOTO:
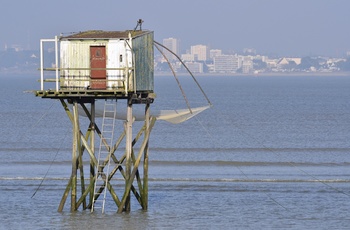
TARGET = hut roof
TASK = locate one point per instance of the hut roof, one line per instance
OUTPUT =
(100, 34)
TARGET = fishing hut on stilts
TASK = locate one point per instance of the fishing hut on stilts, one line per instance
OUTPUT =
(103, 65)
(93, 70)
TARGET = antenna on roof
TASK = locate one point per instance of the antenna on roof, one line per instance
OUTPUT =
(139, 23)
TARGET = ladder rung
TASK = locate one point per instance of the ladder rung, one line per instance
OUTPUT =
(106, 132)
(99, 201)
(109, 121)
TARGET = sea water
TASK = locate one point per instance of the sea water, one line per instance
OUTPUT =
(272, 152)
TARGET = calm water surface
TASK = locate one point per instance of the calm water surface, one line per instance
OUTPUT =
(273, 152)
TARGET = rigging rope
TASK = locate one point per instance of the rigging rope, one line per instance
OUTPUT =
(241, 171)
(177, 80)
(292, 164)
(40, 118)
(42, 180)
(270, 197)
(206, 97)
(273, 151)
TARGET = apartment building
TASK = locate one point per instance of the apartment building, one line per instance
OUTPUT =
(200, 52)
(174, 45)
(226, 63)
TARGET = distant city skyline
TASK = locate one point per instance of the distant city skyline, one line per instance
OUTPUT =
(201, 59)
(285, 28)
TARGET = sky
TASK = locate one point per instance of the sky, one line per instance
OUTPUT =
(272, 27)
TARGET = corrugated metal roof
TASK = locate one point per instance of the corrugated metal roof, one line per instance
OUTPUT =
(100, 34)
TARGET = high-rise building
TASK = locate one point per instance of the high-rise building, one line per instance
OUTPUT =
(200, 52)
(226, 64)
(174, 45)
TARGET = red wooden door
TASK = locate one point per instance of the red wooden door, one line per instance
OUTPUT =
(98, 60)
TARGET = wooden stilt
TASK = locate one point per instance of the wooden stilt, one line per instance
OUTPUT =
(145, 160)
(92, 145)
(65, 195)
(76, 137)
(81, 168)
(129, 121)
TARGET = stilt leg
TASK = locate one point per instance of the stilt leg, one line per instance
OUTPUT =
(76, 137)
(145, 161)
(129, 122)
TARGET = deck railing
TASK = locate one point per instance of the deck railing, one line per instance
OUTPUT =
(66, 81)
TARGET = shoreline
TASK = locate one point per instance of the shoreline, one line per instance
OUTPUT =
(166, 74)
(270, 74)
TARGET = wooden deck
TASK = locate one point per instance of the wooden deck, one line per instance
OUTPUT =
(137, 98)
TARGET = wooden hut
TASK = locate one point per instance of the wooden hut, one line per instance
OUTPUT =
(114, 61)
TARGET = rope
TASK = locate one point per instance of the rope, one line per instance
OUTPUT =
(292, 164)
(42, 116)
(42, 181)
(206, 97)
(24, 134)
(241, 171)
(177, 80)
(205, 129)
(270, 197)
(273, 151)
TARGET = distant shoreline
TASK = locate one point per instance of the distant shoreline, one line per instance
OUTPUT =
(300, 74)
(165, 74)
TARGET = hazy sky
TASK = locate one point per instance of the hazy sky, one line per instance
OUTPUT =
(284, 27)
